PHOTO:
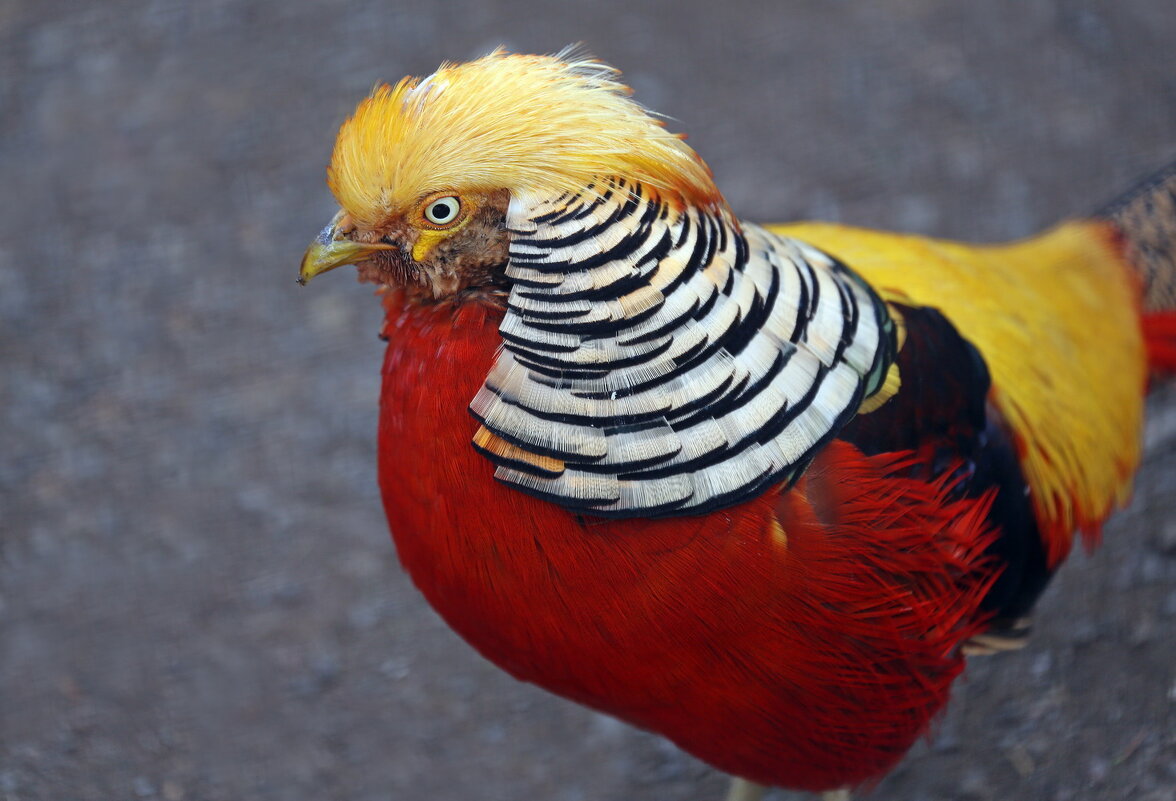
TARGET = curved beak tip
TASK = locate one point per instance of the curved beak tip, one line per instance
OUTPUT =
(329, 250)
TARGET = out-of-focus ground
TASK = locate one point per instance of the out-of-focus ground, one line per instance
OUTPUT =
(198, 596)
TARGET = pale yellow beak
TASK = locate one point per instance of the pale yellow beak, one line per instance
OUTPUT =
(330, 250)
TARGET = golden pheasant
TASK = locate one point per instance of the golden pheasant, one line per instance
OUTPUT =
(758, 489)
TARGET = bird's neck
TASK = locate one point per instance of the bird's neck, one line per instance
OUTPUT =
(662, 358)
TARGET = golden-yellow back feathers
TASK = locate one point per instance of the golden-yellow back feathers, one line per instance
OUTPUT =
(523, 123)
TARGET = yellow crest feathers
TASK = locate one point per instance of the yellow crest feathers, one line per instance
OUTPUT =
(523, 123)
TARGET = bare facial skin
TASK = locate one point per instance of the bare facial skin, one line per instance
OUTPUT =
(465, 264)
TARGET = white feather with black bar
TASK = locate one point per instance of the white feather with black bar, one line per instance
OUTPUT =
(669, 360)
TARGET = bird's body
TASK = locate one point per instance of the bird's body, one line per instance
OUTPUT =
(699, 627)
(753, 489)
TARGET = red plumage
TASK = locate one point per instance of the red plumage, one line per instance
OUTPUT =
(813, 660)
(1159, 333)
(873, 446)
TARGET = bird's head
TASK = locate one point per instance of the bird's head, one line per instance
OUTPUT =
(428, 172)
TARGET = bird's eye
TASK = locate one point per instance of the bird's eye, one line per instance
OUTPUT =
(443, 210)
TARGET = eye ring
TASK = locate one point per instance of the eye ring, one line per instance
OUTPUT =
(443, 211)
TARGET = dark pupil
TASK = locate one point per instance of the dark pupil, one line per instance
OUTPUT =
(443, 210)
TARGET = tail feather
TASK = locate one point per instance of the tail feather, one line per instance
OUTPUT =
(1159, 336)
(1145, 217)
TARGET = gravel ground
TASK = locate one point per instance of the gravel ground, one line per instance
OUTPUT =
(198, 597)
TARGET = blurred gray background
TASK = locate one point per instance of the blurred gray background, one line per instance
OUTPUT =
(198, 596)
